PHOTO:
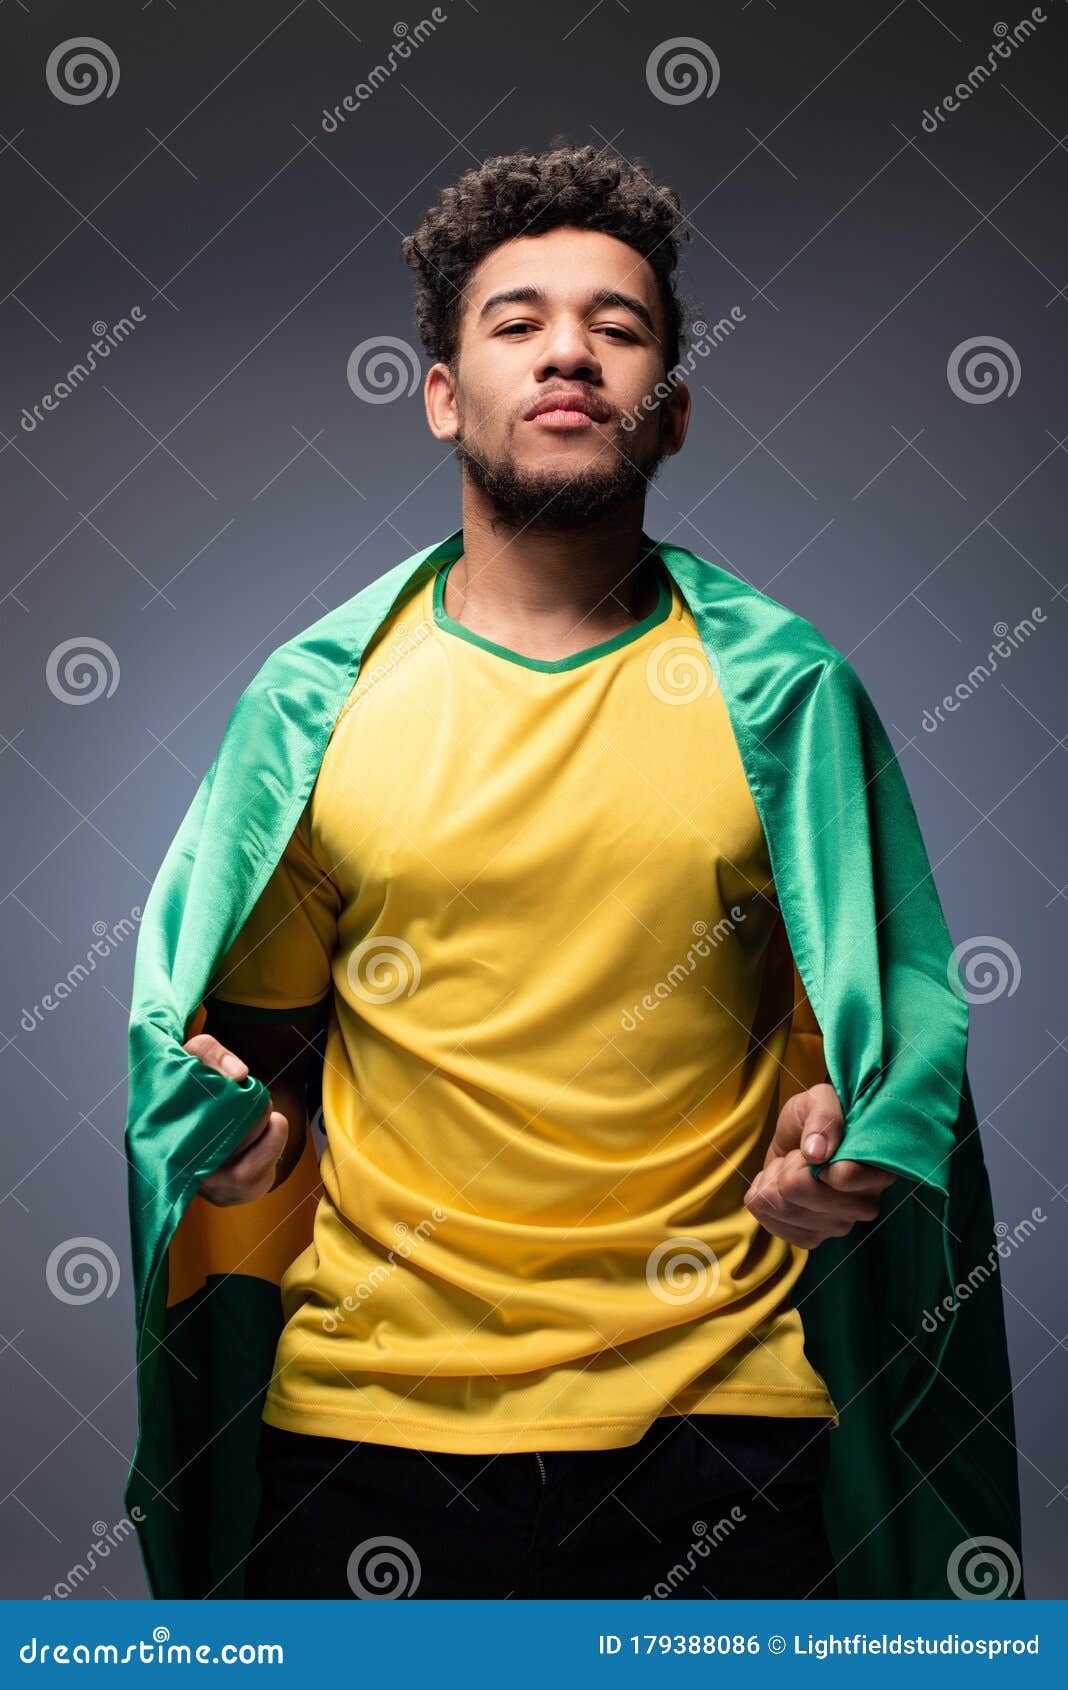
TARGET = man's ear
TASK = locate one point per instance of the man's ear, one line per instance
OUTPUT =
(678, 408)
(439, 398)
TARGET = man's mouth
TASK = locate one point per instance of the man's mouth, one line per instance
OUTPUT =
(563, 420)
(567, 410)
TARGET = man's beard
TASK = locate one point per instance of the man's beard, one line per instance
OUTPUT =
(551, 500)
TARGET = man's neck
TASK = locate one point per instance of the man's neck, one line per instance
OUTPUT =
(548, 595)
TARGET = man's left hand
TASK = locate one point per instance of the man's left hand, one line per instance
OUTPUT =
(785, 1197)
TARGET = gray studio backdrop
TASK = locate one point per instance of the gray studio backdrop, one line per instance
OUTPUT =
(879, 442)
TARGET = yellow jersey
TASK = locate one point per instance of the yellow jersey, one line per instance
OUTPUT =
(537, 899)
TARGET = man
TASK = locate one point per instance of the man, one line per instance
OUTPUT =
(541, 1332)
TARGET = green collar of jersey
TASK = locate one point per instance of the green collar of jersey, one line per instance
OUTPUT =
(556, 665)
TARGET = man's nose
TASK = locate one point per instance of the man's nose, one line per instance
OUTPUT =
(568, 351)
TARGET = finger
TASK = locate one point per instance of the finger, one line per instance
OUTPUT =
(252, 1174)
(792, 1231)
(780, 1184)
(253, 1139)
(263, 1153)
(788, 1191)
(764, 1191)
(769, 1201)
(821, 1122)
(810, 1120)
(857, 1177)
(833, 1206)
(806, 1198)
(802, 1237)
(787, 1134)
(215, 1055)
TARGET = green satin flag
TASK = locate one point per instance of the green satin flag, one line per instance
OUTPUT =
(923, 1483)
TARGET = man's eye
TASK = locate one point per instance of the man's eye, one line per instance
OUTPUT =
(510, 328)
(612, 328)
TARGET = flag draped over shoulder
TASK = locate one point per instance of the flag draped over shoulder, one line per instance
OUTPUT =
(923, 1474)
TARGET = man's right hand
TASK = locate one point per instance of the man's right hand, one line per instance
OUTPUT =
(253, 1168)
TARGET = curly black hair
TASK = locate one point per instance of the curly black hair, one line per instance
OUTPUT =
(528, 193)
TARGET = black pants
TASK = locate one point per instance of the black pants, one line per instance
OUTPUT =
(701, 1506)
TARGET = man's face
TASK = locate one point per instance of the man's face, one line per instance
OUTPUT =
(569, 316)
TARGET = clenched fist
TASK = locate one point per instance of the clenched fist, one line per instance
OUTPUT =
(785, 1197)
(271, 1149)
